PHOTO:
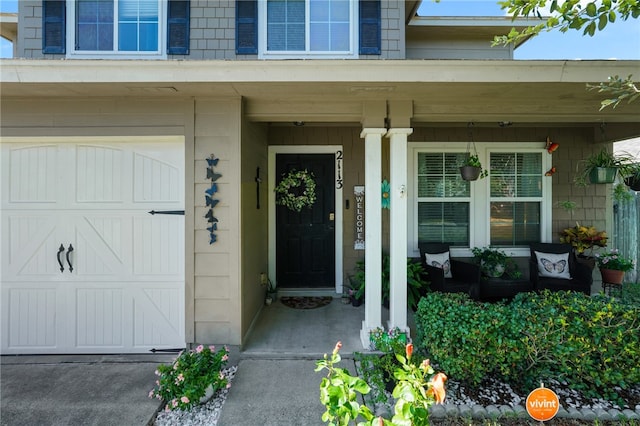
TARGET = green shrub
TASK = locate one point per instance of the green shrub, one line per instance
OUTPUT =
(592, 343)
(468, 340)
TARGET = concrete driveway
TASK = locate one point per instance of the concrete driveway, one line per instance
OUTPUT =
(78, 389)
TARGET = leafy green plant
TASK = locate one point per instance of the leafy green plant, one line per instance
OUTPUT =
(183, 383)
(415, 392)
(472, 160)
(592, 343)
(602, 158)
(612, 259)
(468, 340)
(495, 262)
(416, 284)
(339, 392)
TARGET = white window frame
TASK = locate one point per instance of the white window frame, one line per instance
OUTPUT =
(263, 53)
(72, 53)
(480, 194)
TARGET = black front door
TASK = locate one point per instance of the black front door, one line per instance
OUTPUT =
(305, 241)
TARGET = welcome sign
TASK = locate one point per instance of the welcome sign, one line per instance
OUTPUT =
(358, 192)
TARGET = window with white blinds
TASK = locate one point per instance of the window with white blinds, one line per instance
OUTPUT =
(509, 208)
(443, 199)
(515, 198)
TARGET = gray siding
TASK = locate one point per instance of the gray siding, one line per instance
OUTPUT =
(212, 31)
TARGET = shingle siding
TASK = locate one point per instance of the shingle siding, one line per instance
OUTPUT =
(212, 31)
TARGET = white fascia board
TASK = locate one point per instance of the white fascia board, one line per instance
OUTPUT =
(329, 71)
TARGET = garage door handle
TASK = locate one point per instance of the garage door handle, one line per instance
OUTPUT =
(68, 259)
(60, 251)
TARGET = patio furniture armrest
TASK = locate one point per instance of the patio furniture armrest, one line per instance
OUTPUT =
(582, 273)
(533, 272)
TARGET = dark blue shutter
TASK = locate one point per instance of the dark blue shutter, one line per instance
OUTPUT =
(178, 27)
(53, 26)
(370, 27)
(246, 27)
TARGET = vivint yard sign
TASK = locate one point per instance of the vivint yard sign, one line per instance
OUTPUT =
(542, 404)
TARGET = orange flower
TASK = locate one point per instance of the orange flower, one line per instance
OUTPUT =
(409, 350)
(337, 348)
(437, 387)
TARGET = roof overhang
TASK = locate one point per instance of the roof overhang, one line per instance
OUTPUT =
(9, 26)
(445, 91)
(467, 27)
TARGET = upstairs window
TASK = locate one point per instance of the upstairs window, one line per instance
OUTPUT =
(308, 28)
(117, 27)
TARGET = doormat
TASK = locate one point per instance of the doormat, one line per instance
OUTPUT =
(297, 302)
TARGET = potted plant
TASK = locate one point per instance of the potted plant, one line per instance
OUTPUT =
(193, 377)
(612, 266)
(472, 169)
(495, 263)
(272, 293)
(356, 285)
(631, 174)
(601, 167)
(416, 285)
(584, 238)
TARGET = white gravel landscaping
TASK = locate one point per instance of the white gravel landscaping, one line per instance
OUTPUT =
(206, 414)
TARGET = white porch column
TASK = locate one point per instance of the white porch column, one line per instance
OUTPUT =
(398, 229)
(373, 231)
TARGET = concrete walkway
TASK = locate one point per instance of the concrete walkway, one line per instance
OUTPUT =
(78, 390)
(276, 383)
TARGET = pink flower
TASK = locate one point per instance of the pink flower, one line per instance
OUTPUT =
(184, 399)
(157, 373)
(166, 408)
(221, 375)
(225, 357)
(179, 379)
(151, 394)
(174, 403)
(200, 348)
(212, 348)
(226, 348)
(228, 385)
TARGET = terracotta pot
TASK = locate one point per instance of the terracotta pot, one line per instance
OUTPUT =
(470, 172)
(612, 276)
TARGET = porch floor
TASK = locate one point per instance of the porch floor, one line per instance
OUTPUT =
(285, 332)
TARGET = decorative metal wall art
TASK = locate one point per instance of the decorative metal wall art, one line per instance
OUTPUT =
(210, 202)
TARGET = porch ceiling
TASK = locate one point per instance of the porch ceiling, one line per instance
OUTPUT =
(335, 91)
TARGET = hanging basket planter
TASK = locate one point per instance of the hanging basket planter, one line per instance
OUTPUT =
(470, 173)
(612, 276)
(603, 174)
(471, 169)
(633, 182)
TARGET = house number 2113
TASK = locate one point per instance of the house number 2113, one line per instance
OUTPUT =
(339, 181)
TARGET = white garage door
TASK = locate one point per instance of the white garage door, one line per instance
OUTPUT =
(85, 267)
